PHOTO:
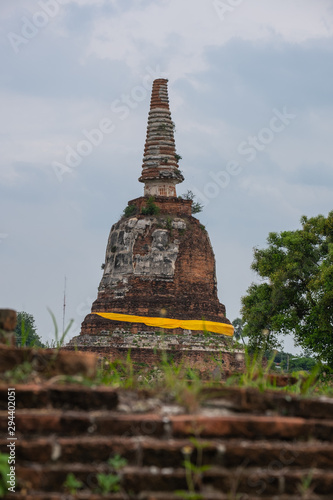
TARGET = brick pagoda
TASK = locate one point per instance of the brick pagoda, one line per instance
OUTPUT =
(159, 261)
(159, 270)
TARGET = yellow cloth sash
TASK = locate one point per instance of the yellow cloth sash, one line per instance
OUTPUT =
(210, 326)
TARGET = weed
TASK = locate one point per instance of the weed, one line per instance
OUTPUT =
(117, 462)
(59, 342)
(178, 157)
(174, 379)
(306, 385)
(108, 483)
(256, 372)
(72, 484)
(151, 208)
(19, 373)
(130, 210)
(196, 206)
(193, 471)
(168, 224)
(24, 333)
(4, 473)
(304, 488)
(117, 373)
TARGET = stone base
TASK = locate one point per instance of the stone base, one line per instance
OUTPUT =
(211, 355)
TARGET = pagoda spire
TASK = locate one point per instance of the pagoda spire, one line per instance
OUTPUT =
(160, 170)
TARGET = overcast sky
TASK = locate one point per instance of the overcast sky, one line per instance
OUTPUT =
(250, 88)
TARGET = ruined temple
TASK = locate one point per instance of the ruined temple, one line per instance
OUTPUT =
(159, 269)
(158, 293)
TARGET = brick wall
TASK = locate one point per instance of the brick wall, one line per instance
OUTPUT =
(169, 206)
(254, 445)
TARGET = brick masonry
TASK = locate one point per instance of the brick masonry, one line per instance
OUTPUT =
(160, 170)
(255, 445)
(251, 444)
(158, 264)
(206, 354)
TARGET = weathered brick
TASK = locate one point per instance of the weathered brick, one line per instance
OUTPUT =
(50, 421)
(8, 320)
(130, 425)
(246, 399)
(252, 427)
(98, 449)
(37, 450)
(61, 396)
(83, 397)
(48, 362)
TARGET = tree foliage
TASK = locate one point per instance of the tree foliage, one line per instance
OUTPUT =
(291, 363)
(297, 363)
(25, 331)
(238, 329)
(196, 205)
(296, 295)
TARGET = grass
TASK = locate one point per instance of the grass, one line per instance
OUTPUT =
(4, 472)
(59, 341)
(179, 381)
(106, 482)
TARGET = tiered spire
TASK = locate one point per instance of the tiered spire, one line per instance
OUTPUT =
(160, 171)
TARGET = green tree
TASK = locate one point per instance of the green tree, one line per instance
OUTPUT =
(291, 362)
(25, 331)
(296, 363)
(196, 205)
(238, 329)
(296, 295)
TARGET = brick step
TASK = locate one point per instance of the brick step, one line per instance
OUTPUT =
(39, 495)
(146, 495)
(242, 399)
(230, 496)
(145, 451)
(235, 399)
(255, 481)
(60, 396)
(81, 495)
(256, 427)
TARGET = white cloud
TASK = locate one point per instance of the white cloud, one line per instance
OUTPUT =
(188, 27)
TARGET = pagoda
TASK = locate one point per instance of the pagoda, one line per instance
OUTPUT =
(159, 270)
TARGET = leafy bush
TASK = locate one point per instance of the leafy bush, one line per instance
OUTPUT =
(4, 471)
(130, 210)
(151, 208)
(26, 332)
(196, 205)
